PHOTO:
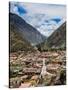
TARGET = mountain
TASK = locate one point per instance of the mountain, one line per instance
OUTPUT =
(56, 40)
(18, 43)
(26, 31)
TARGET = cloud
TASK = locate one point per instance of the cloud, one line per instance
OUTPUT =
(51, 10)
(17, 8)
(21, 10)
(56, 19)
(44, 17)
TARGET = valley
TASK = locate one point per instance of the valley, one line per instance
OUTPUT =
(35, 60)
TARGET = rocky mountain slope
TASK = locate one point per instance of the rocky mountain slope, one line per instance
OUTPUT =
(27, 31)
(56, 40)
(18, 43)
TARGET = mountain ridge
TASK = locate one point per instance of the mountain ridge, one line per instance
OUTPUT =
(18, 43)
(26, 30)
(58, 37)
(56, 40)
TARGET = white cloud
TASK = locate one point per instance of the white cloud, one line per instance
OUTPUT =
(51, 10)
(38, 13)
(13, 8)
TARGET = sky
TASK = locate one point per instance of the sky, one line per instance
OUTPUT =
(46, 18)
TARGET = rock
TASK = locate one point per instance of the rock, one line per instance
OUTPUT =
(31, 70)
(52, 67)
(35, 77)
(24, 77)
(15, 82)
(47, 80)
(57, 61)
(25, 85)
(55, 54)
(34, 82)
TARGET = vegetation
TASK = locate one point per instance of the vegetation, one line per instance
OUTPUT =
(57, 41)
(18, 43)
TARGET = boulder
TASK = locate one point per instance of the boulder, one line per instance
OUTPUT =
(25, 85)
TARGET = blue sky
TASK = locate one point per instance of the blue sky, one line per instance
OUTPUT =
(46, 18)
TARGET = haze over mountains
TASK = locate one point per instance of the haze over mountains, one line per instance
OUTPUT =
(27, 31)
(23, 35)
(46, 18)
(57, 39)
